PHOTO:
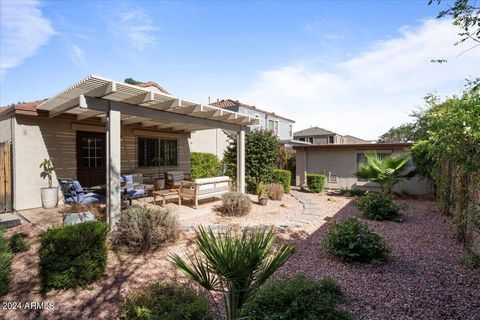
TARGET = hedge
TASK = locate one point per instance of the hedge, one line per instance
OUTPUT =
(316, 182)
(73, 255)
(5, 261)
(204, 165)
(284, 177)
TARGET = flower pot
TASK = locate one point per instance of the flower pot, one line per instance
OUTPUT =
(49, 197)
(263, 201)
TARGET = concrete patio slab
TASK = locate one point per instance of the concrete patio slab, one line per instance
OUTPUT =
(9, 220)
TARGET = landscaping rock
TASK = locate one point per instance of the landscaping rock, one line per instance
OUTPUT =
(78, 217)
(9, 220)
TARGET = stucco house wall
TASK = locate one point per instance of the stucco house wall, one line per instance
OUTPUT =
(211, 141)
(5, 129)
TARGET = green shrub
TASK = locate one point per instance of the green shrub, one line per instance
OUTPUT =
(167, 302)
(142, 229)
(275, 191)
(298, 298)
(471, 259)
(379, 206)
(347, 192)
(17, 243)
(284, 177)
(235, 204)
(316, 182)
(73, 255)
(351, 240)
(5, 264)
(204, 165)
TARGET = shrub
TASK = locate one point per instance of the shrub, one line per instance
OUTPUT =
(351, 240)
(5, 264)
(316, 182)
(17, 243)
(347, 192)
(96, 209)
(235, 204)
(275, 191)
(298, 298)
(165, 301)
(142, 229)
(284, 177)
(379, 206)
(204, 165)
(73, 255)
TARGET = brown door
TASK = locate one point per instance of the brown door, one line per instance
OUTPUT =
(91, 158)
(5, 178)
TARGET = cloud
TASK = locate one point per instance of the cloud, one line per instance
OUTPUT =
(77, 55)
(23, 30)
(134, 25)
(373, 91)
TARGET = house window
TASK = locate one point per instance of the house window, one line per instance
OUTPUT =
(92, 152)
(331, 139)
(271, 125)
(156, 152)
(310, 139)
(290, 130)
(301, 139)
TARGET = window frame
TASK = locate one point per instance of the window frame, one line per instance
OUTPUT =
(161, 152)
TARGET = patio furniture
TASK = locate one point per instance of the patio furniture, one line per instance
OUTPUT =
(174, 179)
(167, 194)
(74, 193)
(204, 188)
(133, 187)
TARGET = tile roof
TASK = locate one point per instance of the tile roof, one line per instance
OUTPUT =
(313, 131)
(229, 103)
(30, 106)
(152, 84)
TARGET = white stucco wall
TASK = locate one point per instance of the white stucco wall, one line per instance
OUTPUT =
(212, 141)
(5, 129)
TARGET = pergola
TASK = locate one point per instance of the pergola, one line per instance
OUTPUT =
(117, 103)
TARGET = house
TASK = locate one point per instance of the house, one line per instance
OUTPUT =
(339, 163)
(316, 135)
(99, 128)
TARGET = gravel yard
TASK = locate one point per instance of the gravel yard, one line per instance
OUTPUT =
(424, 280)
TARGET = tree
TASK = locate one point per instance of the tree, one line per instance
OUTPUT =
(403, 133)
(132, 81)
(385, 171)
(234, 264)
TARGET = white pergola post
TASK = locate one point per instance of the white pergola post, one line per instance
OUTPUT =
(113, 167)
(241, 160)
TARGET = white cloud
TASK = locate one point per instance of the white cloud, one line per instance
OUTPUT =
(134, 25)
(373, 91)
(77, 55)
(23, 30)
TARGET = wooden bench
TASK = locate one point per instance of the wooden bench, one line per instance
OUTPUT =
(204, 188)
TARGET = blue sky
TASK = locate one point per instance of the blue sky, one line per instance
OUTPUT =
(356, 67)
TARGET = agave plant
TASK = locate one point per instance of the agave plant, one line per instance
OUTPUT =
(386, 171)
(234, 263)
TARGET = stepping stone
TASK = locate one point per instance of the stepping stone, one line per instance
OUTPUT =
(312, 213)
(305, 218)
(9, 220)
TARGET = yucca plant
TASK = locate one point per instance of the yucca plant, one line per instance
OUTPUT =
(386, 171)
(235, 263)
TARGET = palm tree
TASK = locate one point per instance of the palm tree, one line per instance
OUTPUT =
(386, 171)
(235, 264)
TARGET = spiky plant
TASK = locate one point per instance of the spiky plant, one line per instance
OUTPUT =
(234, 263)
(386, 171)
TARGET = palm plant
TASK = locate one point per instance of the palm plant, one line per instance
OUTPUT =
(386, 171)
(235, 264)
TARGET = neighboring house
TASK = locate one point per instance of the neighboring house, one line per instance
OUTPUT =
(142, 127)
(316, 135)
(339, 163)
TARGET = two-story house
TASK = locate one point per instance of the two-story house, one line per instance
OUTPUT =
(320, 136)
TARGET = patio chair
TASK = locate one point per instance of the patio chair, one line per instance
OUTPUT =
(74, 193)
(174, 179)
(137, 191)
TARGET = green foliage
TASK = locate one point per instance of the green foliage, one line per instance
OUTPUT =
(284, 177)
(47, 167)
(471, 259)
(234, 264)
(73, 255)
(235, 204)
(142, 229)
(275, 191)
(286, 159)
(132, 81)
(298, 298)
(316, 182)
(18, 244)
(204, 165)
(347, 192)
(165, 301)
(261, 190)
(422, 159)
(402, 133)
(261, 149)
(5, 263)
(379, 206)
(385, 171)
(352, 240)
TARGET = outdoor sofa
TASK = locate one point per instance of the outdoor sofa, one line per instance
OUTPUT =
(204, 188)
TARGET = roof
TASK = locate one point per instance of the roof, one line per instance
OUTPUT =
(152, 84)
(229, 103)
(313, 131)
(361, 146)
(24, 107)
(352, 139)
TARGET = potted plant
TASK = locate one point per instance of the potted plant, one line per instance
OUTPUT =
(262, 194)
(50, 194)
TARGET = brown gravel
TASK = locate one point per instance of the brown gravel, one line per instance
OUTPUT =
(424, 280)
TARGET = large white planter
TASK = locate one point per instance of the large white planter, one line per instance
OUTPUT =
(49, 197)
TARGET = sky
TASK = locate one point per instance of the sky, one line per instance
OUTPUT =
(353, 67)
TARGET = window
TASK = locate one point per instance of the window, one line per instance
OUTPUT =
(290, 130)
(331, 139)
(301, 139)
(154, 152)
(310, 139)
(271, 125)
(92, 152)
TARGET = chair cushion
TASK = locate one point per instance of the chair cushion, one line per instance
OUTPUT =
(135, 193)
(127, 178)
(212, 183)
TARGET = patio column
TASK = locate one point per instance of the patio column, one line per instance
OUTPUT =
(241, 160)
(113, 167)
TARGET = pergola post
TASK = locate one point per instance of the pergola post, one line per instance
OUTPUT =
(113, 167)
(241, 160)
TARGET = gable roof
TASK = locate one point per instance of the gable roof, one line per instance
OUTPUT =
(229, 103)
(352, 139)
(313, 131)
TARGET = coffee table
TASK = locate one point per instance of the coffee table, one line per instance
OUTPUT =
(167, 194)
